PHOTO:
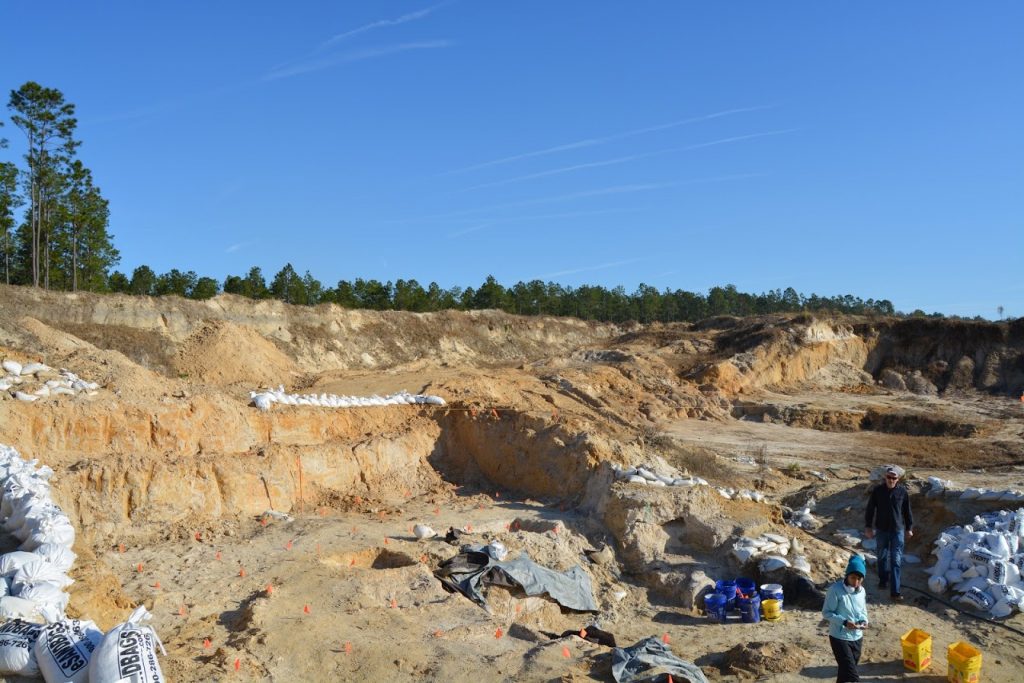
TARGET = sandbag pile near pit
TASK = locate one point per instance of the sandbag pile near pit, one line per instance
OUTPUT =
(32, 578)
(33, 381)
(646, 476)
(265, 399)
(983, 562)
(773, 552)
(36, 638)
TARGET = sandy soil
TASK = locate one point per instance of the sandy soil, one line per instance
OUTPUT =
(166, 472)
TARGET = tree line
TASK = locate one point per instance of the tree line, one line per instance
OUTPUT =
(54, 234)
(589, 302)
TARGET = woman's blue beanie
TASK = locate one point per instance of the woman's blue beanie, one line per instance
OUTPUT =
(856, 565)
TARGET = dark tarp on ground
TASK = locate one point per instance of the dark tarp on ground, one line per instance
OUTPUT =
(652, 661)
(467, 570)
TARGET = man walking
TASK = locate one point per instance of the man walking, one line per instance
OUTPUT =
(889, 515)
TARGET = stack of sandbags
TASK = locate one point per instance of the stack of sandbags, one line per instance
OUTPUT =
(646, 475)
(266, 398)
(33, 381)
(773, 551)
(983, 562)
(34, 577)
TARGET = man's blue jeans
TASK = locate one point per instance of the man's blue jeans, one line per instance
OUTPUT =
(890, 558)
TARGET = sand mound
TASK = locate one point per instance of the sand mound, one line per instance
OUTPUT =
(224, 353)
(770, 657)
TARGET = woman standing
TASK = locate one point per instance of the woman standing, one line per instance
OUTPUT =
(847, 613)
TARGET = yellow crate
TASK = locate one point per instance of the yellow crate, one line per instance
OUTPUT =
(917, 649)
(964, 663)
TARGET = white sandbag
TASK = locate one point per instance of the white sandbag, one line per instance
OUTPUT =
(56, 530)
(937, 584)
(646, 474)
(38, 571)
(10, 563)
(773, 562)
(724, 494)
(743, 553)
(33, 368)
(996, 542)
(13, 607)
(56, 554)
(971, 493)
(128, 652)
(17, 648)
(434, 400)
(262, 401)
(46, 594)
(12, 367)
(997, 571)
(64, 648)
(5, 586)
(991, 495)
(776, 538)
(978, 598)
(636, 479)
(422, 531)
(801, 564)
(1001, 609)
(976, 570)
(22, 396)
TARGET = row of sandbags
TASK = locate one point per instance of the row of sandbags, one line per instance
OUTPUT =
(646, 475)
(33, 381)
(34, 576)
(984, 562)
(266, 398)
(773, 551)
(36, 638)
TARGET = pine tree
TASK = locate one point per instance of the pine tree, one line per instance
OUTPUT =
(48, 123)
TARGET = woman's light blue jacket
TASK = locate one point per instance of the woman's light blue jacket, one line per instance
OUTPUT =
(840, 607)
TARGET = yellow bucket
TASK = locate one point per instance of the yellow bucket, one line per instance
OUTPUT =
(772, 609)
(917, 649)
(964, 663)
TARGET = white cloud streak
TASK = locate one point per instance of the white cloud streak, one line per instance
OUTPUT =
(614, 189)
(590, 142)
(520, 219)
(626, 159)
(587, 269)
(381, 23)
(351, 56)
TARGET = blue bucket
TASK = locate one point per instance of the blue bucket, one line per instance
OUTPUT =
(750, 609)
(771, 591)
(728, 589)
(714, 605)
(746, 587)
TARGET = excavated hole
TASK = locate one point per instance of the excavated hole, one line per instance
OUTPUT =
(369, 558)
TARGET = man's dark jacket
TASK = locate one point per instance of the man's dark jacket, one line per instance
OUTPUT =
(892, 507)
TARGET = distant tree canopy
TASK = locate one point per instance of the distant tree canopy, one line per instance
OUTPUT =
(62, 242)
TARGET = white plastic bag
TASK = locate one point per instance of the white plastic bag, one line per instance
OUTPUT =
(128, 651)
(17, 648)
(937, 584)
(64, 648)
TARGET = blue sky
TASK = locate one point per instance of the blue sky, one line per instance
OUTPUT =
(836, 147)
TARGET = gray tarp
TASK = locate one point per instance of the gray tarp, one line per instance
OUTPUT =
(651, 660)
(470, 568)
